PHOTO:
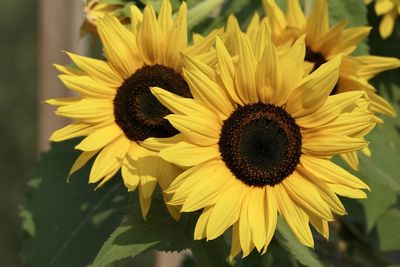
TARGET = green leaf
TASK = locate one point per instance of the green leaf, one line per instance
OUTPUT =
(385, 161)
(243, 9)
(355, 11)
(211, 253)
(388, 229)
(378, 202)
(27, 221)
(201, 11)
(380, 171)
(135, 236)
(69, 218)
(289, 242)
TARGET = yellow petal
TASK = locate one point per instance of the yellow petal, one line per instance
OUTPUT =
(321, 226)
(136, 19)
(327, 144)
(227, 70)
(256, 216)
(68, 70)
(86, 86)
(109, 159)
(383, 6)
(81, 161)
(325, 192)
(87, 111)
(200, 229)
(156, 144)
(145, 202)
(268, 74)
(177, 40)
(314, 90)
(150, 38)
(349, 40)
(183, 185)
(245, 236)
(71, 131)
(295, 217)
(129, 171)
(62, 101)
(387, 24)
(245, 71)
(119, 45)
(203, 46)
(253, 28)
(351, 158)
(186, 154)
(100, 138)
(329, 40)
(292, 62)
(183, 106)
(330, 172)
(98, 70)
(209, 191)
(306, 195)
(317, 22)
(235, 244)
(347, 191)
(270, 215)
(165, 21)
(372, 65)
(276, 17)
(196, 129)
(232, 29)
(208, 91)
(381, 105)
(330, 110)
(148, 166)
(295, 16)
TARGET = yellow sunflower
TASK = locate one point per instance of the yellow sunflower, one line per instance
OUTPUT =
(256, 144)
(390, 9)
(324, 43)
(115, 109)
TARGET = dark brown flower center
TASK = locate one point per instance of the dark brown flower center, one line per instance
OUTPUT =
(139, 114)
(261, 144)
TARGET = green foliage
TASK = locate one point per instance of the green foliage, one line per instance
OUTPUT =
(68, 230)
(135, 235)
(289, 242)
(202, 10)
(388, 229)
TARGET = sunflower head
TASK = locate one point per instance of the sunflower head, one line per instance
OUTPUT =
(115, 109)
(256, 144)
(325, 42)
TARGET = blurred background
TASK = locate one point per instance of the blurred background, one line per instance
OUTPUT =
(18, 119)
(32, 35)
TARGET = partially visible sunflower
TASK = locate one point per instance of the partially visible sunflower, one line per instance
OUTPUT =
(256, 143)
(324, 43)
(390, 10)
(115, 109)
(94, 9)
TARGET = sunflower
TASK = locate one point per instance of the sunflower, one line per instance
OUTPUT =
(390, 9)
(324, 43)
(115, 109)
(255, 144)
